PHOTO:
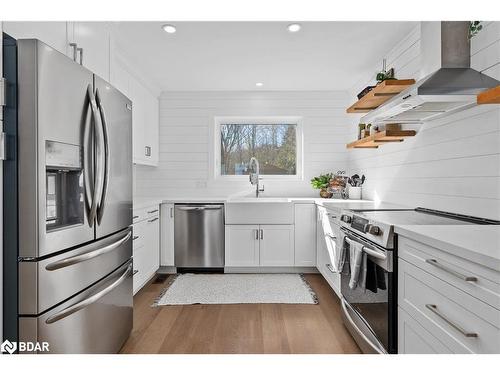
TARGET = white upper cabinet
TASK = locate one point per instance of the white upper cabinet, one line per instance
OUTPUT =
(145, 123)
(92, 37)
(55, 34)
(98, 53)
(152, 135)
(94, 40)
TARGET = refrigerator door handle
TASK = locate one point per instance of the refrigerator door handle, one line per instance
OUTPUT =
(91, 191)
(88, 301)
(102, 201)
(66, 262)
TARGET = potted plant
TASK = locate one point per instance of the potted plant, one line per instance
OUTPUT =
(321, 182)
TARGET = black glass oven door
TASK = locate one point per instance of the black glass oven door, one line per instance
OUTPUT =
(369, 297)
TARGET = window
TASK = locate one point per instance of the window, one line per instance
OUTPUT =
(274, 142)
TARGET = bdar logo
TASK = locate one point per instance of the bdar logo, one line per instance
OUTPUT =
(8, 347)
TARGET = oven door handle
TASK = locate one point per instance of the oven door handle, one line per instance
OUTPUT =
(347, 313)
(373, 253)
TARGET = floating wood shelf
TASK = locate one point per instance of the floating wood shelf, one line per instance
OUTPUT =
(380, 94)
(491, 96)
(377, 139)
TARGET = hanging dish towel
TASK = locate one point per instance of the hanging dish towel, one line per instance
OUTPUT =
(357, 263)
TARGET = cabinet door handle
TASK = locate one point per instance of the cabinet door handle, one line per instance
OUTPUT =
(152, 212)
(80, 50)
(262, 234)
(434, 309)
(150, 221)
(171, 212)
(147, 151)
(435, 263)
(134, 272)
(135, 217)
(330, 268)
(74, 46)
(134, 238)
(256, 234)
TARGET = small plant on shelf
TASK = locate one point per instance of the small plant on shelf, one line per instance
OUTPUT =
(474, 28)
(321, 182)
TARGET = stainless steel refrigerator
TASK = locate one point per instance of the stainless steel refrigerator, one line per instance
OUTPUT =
(75, 204)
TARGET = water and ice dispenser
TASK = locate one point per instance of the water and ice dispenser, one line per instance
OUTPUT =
(65, 203)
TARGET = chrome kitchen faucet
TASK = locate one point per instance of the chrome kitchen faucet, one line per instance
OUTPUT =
(254, 177)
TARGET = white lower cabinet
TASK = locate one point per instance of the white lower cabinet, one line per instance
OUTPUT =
(259, 245)
(146, 246)
(305, 234)
(323, 261)
(415, 339)
(439, 311)
(167, 235)
(242, 246)
(277, 246)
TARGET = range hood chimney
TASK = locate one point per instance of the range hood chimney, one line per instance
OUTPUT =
(452, 84)
(455, 45)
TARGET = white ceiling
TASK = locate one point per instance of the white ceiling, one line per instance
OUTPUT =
(236, 55)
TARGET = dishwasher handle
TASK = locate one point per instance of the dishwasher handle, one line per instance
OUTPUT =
(199, 208)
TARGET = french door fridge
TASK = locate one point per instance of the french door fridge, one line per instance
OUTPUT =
(74, 141)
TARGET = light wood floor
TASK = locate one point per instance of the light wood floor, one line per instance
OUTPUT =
(240, 329)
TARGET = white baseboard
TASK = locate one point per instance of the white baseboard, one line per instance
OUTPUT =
(270, 270)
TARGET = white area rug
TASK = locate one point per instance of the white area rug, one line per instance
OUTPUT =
(189, 289)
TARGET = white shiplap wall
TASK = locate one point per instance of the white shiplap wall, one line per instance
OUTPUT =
(452, 164)
(186, 120)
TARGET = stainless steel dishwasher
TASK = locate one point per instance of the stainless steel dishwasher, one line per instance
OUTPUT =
(199, 235)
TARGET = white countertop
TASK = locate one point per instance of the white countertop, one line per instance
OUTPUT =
(477, 243)
(319, 201)
(142, 202)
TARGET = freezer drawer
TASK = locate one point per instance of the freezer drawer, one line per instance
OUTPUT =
(47, 282)
(98, 320)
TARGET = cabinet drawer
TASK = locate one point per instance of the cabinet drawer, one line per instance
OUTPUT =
(138, 234)
(140, 214)
(139, 269)
(331, 277)
(415, 339)
(452, 269)
(448, 312)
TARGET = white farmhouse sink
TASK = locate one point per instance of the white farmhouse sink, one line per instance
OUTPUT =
(258, 200)
(260, 211)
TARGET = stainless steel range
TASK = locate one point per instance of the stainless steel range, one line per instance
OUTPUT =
(368, 277)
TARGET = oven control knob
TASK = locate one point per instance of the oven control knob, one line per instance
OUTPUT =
(346, 218)
(373, 229)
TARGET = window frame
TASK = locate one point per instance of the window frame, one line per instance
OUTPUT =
(215, 158)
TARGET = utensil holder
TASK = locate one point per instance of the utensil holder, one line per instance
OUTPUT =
(354, 192)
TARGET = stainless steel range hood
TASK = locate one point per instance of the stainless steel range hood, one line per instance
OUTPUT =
(451, 88)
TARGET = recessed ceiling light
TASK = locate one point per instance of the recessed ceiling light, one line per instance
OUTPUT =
(259, 84)
(294, 27)
(169, 28)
